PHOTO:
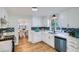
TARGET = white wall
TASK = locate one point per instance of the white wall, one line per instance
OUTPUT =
(33, 21)
(14, 20)
(70, 18)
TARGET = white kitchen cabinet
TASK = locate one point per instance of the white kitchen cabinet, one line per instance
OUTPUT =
(52, 40)
(3, 13)
(39, 21)
(72, 44)
(35, 37)
(30, 36)
(49, 39)
(36, 21)
(63, 20)
(45, 37)
(69, 18)
(44, 22)
(6, 46)
(16, 33)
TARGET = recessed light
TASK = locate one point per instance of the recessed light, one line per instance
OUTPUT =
(34, 9)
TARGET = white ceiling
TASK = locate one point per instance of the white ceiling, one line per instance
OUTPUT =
(19, 11)
(42, 11)
(50, 11)
(47, 11)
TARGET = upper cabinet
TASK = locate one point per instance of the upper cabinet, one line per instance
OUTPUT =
(63, 20)
(39, 21)
(70, 18)
(3, 12)
(36, 21)
(45, 21)
(3, 17)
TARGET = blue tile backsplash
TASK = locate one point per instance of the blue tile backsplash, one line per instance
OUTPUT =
(6, 29)
(39, 28)
(72, 31)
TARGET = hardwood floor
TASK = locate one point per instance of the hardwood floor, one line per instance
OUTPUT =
(25, 46)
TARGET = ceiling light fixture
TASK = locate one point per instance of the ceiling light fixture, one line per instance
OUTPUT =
(54, 16)
(34, 9)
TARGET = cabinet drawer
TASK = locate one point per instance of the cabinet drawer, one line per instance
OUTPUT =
(6, 46)
(72, 50)
(72, 46)
(72, 38)
(72, 42)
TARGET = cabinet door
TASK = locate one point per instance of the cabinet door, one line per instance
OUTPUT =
(63, 20)
(6, 46)
(3, 14)
(36, 37)
(45, 37)
(36, 21)
(49, 39)
(30, 36)
(72, 44)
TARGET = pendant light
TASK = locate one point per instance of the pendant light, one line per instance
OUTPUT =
(34, 9)
(54, 16)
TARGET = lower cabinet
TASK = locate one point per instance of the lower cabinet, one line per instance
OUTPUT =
(35, 37)
(6, 46)
(49, 39)
(52, 40)
(30, 36)
(72, 45)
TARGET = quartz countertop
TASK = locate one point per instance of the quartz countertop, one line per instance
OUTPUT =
(60, 34)
(63, 35)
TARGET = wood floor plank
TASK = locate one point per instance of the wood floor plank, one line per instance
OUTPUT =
(25, 46)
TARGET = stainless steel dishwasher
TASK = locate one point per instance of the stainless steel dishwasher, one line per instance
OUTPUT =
(60, 44)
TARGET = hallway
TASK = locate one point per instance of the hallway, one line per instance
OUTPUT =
(25, 46)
